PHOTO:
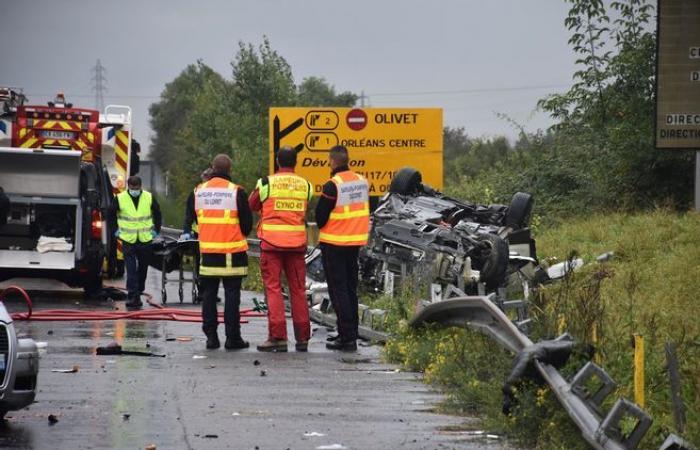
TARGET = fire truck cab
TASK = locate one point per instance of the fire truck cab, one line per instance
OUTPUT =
(60, 166)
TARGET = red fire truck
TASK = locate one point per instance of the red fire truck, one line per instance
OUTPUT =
(60, 166)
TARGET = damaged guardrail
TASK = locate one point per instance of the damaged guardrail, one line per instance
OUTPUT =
(602, 430)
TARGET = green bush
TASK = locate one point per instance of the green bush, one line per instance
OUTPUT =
(650, 287)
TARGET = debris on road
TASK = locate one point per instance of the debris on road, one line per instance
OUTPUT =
(356, 360)
(116, 349)
(199, 357)
(73, 369)
(263, 373)
(183, 338)
(313, 434)
(52, 419)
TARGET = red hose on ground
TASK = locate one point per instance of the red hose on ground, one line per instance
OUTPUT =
(24, 295)
(158, 313)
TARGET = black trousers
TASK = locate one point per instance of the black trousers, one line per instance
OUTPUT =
(342, 270)
(136, 259)
(232, 303)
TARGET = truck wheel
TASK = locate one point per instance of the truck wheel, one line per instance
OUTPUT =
(92, 283)
(406, 181)
(495, 261)
(520, 211)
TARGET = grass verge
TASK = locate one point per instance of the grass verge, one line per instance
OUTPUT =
(651, 288)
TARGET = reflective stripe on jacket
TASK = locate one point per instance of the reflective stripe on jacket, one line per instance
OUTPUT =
(135, 224)
(348, 223)
(220, 236)
(284, 201)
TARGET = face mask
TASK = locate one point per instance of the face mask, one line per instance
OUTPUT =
(134, 192)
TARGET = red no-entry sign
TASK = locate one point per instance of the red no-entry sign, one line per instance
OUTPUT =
(356, 119)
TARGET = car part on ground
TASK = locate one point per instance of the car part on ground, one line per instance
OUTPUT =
(19, 365)
(585, 407)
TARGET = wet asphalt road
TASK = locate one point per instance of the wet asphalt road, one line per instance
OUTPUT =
(309, 400)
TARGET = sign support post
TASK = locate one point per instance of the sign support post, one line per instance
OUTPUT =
(697, 180)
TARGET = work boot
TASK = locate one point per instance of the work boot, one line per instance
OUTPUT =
(134, 303)
(332, 337)
(213, 340)
(235, 343)
(273, 345)
(343, 346)
(302, 346)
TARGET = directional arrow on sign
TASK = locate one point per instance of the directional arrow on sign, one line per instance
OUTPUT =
(278, 135)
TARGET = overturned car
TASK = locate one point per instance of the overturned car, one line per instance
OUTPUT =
(421, 233)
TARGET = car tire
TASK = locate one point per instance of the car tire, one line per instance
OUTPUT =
(495, 266)
(520, 211)
(406, 181)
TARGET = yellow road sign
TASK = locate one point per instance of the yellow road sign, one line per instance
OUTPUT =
(379, 140)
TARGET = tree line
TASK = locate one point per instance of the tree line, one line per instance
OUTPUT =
(202, 113)
(599, 155)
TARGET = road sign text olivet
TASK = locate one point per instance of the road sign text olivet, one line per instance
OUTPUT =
(380, 141)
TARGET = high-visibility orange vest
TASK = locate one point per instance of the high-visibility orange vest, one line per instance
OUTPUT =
(215, 203)
(348, 223)
(284, 200)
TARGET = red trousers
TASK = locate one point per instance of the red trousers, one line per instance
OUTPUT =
(272, 263)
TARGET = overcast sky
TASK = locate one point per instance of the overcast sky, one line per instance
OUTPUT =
(473, 58)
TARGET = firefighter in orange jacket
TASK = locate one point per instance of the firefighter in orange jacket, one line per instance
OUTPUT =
(282, 200)
(342, 215)
(224, 220)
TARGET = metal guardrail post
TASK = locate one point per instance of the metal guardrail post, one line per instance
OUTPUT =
(611, 424)
(585, 377)
(675, 379)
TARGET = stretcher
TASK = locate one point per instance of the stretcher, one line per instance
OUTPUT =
(169, 256)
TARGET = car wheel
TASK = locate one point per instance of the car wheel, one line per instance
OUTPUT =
(520, 211)
(406, 181)
(495, 262)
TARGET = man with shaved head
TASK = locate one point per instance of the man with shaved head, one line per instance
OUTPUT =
(224, 221)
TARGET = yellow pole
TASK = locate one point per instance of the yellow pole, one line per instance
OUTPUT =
(594, 341)
(639, 370)
(561, 325)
